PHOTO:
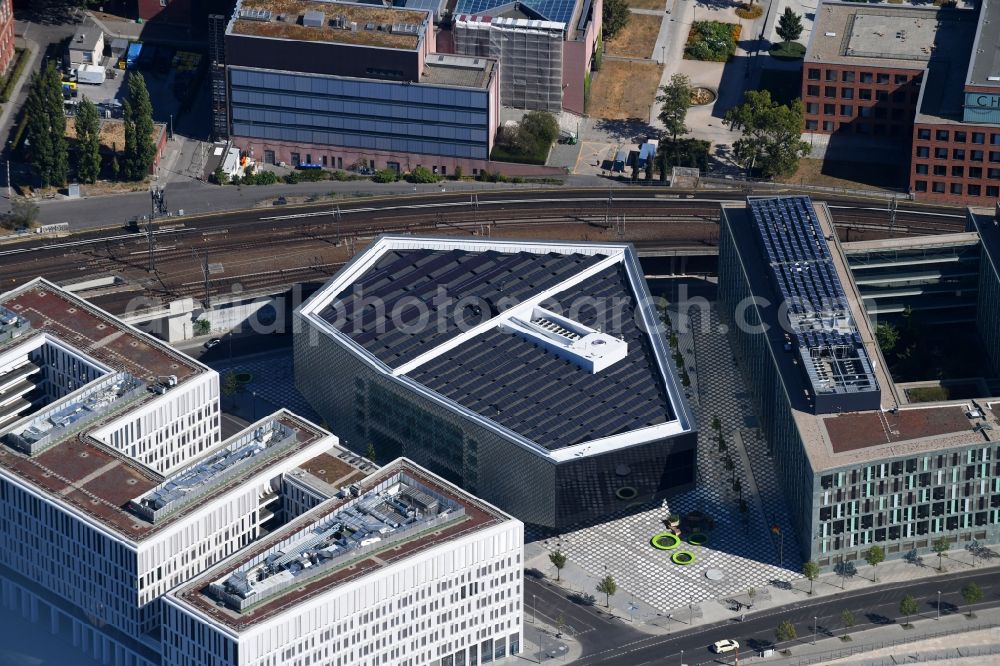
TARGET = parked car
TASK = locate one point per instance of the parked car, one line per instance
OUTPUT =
(213, 342)
(724, 646)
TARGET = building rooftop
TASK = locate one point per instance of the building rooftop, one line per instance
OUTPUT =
(984, 64)
(332, 22)
(839, 440)
(560, 11)
(888, 36)
(86, 37)
(557, 345)
(820, 327)
(399, 510)
(456, 70)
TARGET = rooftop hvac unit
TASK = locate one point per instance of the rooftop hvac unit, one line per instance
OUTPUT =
(255, 14)
(313, 19)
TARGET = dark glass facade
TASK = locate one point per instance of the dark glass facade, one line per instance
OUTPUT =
(395, 117)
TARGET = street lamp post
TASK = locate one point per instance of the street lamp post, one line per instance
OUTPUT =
(533, 616)
(939, 605)
(815, 623)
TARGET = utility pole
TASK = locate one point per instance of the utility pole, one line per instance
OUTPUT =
(204, 271)
(8, 181)
(149, 237)
(893, 204)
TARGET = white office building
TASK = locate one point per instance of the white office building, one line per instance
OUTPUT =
(403, 569)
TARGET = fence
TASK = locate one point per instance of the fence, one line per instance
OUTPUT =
(750, 185)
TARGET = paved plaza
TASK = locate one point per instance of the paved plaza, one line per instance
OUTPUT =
(273, 383)
(742, 546)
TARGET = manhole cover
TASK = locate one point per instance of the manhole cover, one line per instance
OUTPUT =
(715, 574)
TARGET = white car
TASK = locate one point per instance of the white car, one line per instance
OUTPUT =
(724, 646)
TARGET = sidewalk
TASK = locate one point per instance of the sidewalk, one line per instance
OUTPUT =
(891, 644)
(646, 618)
(544, 643)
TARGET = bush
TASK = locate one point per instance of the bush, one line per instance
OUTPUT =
(422, 175)
(306, 176)
(386, 176)
(788, 51)
(712, 41)
(529, 143)
(22, 57)
(749, 11)
(219, 176)
(260, 178)
(457, 175)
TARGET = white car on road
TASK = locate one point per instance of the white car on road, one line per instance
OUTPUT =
(724, 646)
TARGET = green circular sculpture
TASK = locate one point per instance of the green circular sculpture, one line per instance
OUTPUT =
(682, 557)
(698, 539)
(665, 541)
(626, 493)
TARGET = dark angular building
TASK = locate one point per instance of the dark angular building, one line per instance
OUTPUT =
(533, 374)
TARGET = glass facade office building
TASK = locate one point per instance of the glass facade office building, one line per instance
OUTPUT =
(395, 117)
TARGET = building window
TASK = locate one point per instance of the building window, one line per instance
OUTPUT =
(956, 188)
(268, 157)
(813, 74)
(941, 135)
(975, 172)
(900, 79)
(847, 77)
(831, 75)
(296, 159)
(865, 111)
(993, 191)
(882, 78)
(923, 151)
(958, 153)
(827, 125)
(881, 95)
(847, 93)
(938, 187)
(864, 93)
(940, 170)
(923, 133)
(993, 174)
(941, 153)
(975, 190)
(922, 169)
(976, 156)
(960, 137)
(812, 90)
(812, 107)
(995, 139)
(846, 109)
(866, 77)
(920, 185)
(829, 109)
(978, 137)
(830, 91)
(812, 124)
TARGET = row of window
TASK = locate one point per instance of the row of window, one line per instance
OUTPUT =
(879, 112)
(857, 127)
(880, 78)
(958, 154)
(958, 136)
(971, 189)
(955, 171)
(895, 96)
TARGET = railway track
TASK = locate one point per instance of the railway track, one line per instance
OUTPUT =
(264, 249)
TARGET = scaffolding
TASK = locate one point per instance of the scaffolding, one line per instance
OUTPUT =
(217, 69)
(530, 55)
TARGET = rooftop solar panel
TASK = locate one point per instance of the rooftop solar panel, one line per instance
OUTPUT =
(545, 398)
(560, 11)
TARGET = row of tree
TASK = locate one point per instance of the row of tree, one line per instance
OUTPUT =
(48, 148)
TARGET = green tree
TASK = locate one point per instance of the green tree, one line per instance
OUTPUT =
(558, 560)
(971, 594)
(229, 385)
(847, 619)
(771, 134)
(785, 632)
(811, 571)
(607, 587)
(422, 174)
(140, 150)
(675, 100)
(219, 175)
(88, 142)
(370, 453)
(385, 176)
(541, 125)
(887, 336)
(908, 606)
(940, 546)
(46, 127)
(789, 26)
(23, 215)
(875, 556)
(616, 16)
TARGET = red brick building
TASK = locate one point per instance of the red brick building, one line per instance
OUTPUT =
(6, 34)
(919, 76)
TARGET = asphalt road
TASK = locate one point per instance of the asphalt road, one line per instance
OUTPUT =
(613, 642)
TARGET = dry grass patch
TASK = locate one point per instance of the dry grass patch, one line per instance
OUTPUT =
(637, 39)
(850, 175)
(647, 4)
(624, 90)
